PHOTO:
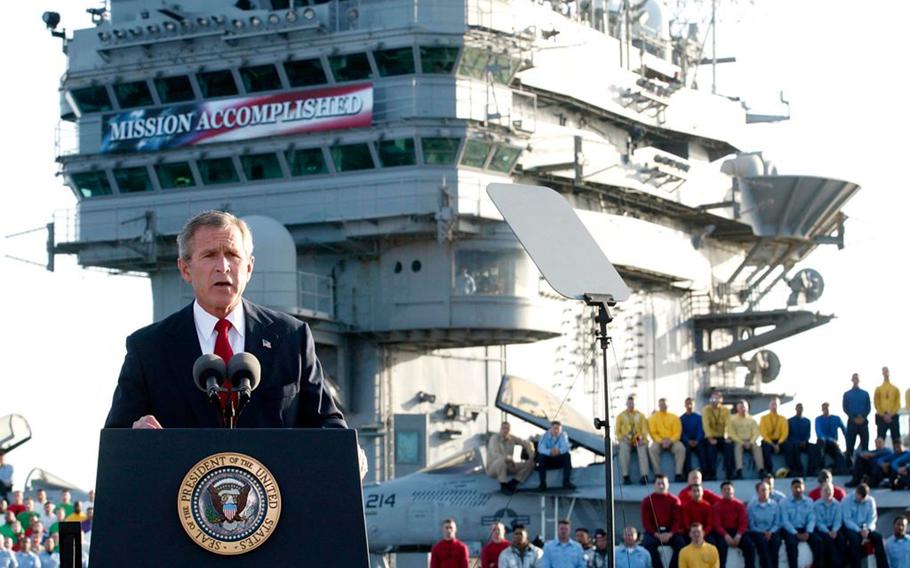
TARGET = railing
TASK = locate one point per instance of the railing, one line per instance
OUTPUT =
(316, 293)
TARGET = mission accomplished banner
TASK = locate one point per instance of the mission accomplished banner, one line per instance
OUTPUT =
(240, 118)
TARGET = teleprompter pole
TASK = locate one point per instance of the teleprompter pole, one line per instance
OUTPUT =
(602, 318)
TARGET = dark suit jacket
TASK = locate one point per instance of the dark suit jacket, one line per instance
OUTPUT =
(157, 376)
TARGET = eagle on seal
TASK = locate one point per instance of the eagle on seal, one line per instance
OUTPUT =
(227, 508)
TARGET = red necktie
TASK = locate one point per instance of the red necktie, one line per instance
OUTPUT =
(223, 350)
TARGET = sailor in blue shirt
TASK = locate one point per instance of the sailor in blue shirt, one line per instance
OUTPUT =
(828, 522)
(797, 443)
(693, 437)
(553, 453)
(562, 552)
(826, 427)
(860, 516)
(865, 463)
(897, 547)
(764, 515)
(857, 407)
(887, 464)
(631, 554)
(797, 519)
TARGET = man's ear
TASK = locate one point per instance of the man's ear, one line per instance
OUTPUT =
(184, 268)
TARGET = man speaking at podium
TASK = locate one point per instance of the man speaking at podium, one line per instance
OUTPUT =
(156, 387)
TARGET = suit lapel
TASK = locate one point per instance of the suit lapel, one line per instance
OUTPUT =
(185, 351)
(259, 340)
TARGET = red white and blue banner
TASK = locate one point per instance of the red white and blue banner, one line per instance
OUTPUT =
(241, 118)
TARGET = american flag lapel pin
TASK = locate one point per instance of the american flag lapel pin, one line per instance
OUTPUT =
(266, 343)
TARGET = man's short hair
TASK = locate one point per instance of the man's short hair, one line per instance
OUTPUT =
(797, 481)
(899, 518)
(863, 490)
(584, 530)
(696, 524)
(216, 219)
(660, 476)
(599, 532)
(631, 528)
(564, 522)
(757, 485)
(555, 423)
(728, 482)
(519, 527)
(767, 475)
(824, 474)
(449, 522)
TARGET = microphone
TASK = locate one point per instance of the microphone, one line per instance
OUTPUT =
(243, 371)
(208, 374)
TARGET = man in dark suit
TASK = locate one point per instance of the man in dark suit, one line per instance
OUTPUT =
(156, 389)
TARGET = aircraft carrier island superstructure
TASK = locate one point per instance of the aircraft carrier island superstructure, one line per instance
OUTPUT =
(358, 138)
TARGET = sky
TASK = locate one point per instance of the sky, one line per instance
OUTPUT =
(839, 64)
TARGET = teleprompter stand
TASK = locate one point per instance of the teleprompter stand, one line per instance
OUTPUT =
(603, 304)
(575, 266)
(140, 472)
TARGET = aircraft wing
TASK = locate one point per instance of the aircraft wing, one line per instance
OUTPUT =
(532, 403)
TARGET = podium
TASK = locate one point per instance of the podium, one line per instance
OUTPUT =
(256, 497)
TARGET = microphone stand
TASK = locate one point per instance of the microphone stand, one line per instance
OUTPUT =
(603, 317)
(230, 415)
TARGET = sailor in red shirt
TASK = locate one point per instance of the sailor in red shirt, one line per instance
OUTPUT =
(708, 495)
(489, 554)
(697, 510)
(661, 518)
(730, 525)
(449, 552)
(824, 476)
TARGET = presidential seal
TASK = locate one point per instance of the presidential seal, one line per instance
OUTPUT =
(229, 503)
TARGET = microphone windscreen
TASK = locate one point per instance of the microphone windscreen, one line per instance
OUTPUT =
(206, 366)
(244, 365)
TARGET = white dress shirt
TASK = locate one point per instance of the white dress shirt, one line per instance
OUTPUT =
(205, 328)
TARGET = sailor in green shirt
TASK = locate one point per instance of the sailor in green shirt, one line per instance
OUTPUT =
(714, 419)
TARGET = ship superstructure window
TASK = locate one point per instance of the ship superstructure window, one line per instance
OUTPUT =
(306, 162)
(216, 171)
(217, 84)
(174, 89)
(474, 62)
(133, 94)
(175, 175)
(397, 152)
(133, 180)
(439, 151)
(305, 72)
(260, 78)
(504, 158)
(350, 67)
(258, 167)
(398, 61)
(351, 157)
(494, 273)
(475, 153)
(438, 60)
(92, 184)
(92, 99)
(502, 67)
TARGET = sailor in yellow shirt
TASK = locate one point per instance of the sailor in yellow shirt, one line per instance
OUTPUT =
(632, 434)
(743, 430)
(714, 420)
(774, 430)
(887, 403)
(665, 429)
(698, 554)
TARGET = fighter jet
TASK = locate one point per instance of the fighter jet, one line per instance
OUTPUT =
(404, 514)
